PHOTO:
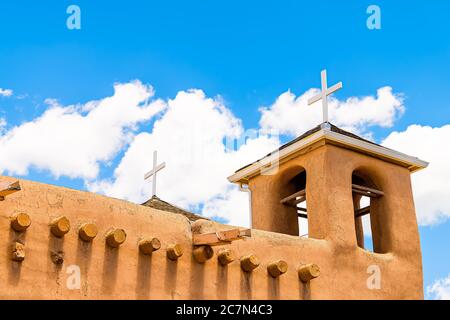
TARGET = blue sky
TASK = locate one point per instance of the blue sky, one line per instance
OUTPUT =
(248, 53)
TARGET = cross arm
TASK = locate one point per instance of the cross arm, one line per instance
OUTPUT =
(314, 99)
(153, 171)
(334, 88)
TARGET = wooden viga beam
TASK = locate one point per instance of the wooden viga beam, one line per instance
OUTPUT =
(358, 213)
(7, 188)
(220, 237)
(362, 212)
(300, 213)
(292, 199)
(366, 191)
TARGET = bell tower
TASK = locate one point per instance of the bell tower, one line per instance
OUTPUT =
(321, 176)
(343, 186)
(333, 178)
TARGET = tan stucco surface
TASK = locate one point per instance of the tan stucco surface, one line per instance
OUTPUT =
(124, 273)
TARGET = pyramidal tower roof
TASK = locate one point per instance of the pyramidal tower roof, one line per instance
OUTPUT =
(333, 135)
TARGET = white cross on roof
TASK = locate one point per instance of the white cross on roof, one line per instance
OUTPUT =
(324, 94)
(153, 172)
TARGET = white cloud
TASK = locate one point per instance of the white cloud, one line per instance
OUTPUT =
(430, 186)
(73, 140)
(190, 138)
(6, 92)
(233, 205)
(360, 113)
(440, 289)
(292, 115)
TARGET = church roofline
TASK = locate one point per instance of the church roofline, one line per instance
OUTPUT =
(156, 203)
(334, 135)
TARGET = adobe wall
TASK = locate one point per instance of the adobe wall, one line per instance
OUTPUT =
(125, 273)
(329, 170)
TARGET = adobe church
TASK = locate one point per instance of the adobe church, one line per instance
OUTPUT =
(59, 243)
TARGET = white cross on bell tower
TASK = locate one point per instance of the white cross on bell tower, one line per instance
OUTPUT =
(153, 172)
(324, 94)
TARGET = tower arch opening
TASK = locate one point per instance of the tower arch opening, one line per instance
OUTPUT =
(366, 205)
(293, 195)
